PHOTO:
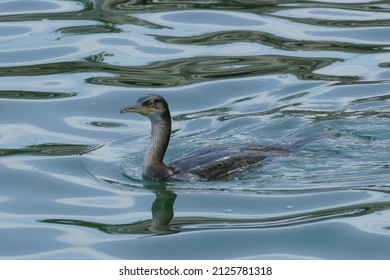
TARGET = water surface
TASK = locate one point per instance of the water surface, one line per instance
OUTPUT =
(233, 72)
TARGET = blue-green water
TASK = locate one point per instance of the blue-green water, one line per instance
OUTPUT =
(236, 72)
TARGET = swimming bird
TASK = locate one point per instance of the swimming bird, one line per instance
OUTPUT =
(204, 164)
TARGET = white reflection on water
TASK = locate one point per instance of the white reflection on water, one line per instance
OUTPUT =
(21, 135)
(11, 7)
(99, 202)
(339, 15)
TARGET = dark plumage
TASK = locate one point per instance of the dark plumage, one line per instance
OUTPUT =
(204, 164)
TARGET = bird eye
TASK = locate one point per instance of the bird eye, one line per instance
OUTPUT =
(151, 103)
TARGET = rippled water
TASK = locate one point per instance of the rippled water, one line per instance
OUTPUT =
(234, 72)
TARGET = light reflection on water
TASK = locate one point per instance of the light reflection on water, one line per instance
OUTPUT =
(244, 72)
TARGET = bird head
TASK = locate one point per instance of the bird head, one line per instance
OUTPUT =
(151, 106)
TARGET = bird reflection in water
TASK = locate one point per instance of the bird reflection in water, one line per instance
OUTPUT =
(163, 220)
(162, 214)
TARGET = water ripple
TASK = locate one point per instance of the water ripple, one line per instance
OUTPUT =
(241, 71)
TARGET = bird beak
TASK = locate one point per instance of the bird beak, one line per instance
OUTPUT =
(138, 109)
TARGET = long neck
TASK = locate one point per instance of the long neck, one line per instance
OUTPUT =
(154, 166)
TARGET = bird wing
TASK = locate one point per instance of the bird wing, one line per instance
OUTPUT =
(222, 160)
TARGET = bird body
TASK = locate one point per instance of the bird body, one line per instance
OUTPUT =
(204, 164)
(219, 161)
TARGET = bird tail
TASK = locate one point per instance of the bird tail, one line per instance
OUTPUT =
(300, 143)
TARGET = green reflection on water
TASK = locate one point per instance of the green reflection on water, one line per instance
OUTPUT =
(184, 71)
(51, 149)
(21, 94)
